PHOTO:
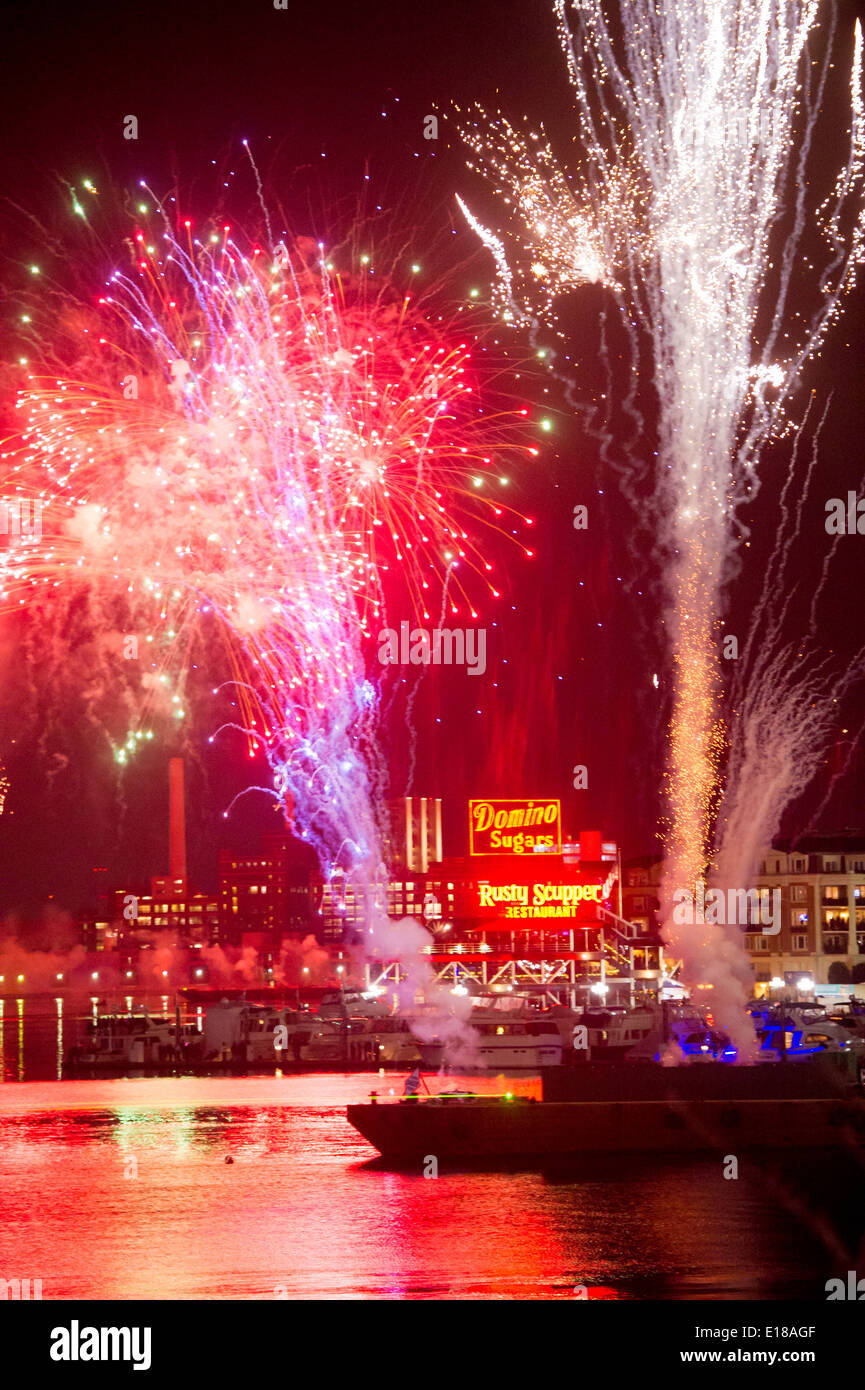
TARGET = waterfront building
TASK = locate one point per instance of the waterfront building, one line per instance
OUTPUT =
(527, 910)
(821, 881)
(191, 918)
(267, 895)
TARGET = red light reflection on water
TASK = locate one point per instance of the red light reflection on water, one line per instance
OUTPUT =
(122, 1190)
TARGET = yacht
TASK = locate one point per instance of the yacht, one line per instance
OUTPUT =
(350, 1003)
(135, 1039)
(612, 1032)
(367, 1040)
(237, 1031)
(689, 1031)
(501, 1033)
(517, 1042)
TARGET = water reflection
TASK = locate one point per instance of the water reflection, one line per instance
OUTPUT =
(120, 1188)
(59, 1054)
(37, 1031)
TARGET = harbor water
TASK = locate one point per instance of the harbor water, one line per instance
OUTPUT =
(120, 1188)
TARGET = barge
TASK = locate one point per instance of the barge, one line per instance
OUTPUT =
(633, 1108)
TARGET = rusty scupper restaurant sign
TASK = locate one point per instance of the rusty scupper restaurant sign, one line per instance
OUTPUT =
(511, 829)
(541, 899)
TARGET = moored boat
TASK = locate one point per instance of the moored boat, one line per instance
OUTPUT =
(520, 1043)
(132, 1040)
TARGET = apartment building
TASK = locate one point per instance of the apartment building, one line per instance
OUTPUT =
(822, 883)
(821, 879)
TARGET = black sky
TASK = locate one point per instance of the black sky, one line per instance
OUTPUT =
(332, 100)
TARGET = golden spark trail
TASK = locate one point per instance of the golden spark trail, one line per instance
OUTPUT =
(690, 200)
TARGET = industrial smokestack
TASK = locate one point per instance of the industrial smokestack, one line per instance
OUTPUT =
(176, 821)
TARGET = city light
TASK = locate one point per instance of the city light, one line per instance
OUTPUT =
(570, 830)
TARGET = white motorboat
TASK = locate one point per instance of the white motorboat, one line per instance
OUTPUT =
(135, 1039)
(254, 1033)
(611, 1032)
(516, 1041)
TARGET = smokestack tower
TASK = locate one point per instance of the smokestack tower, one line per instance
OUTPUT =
(420, 835)
(176, 823)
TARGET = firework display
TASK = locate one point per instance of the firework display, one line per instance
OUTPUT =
(266, 451)
(691, 200)
(432, 674)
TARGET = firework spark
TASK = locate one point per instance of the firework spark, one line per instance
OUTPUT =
(691, 204)
(266, 451)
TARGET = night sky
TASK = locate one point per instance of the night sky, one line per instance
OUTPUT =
(332, 101)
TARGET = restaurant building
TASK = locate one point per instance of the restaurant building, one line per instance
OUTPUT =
(527, 910)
